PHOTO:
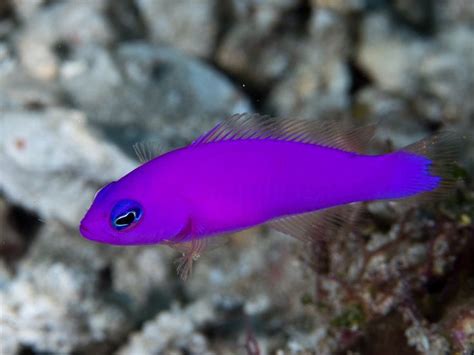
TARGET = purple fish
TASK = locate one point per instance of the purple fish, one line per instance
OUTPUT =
(250, 170)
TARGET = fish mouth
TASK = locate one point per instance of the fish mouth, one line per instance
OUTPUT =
(101, 237)
(86, 233)
(89, 235)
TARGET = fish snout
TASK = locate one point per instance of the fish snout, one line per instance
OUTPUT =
(85, 231)
(86, 227)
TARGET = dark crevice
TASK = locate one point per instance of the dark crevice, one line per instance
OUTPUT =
(295, 20)
(26, 223)
(435, 285)
(419, 18)
(9, 21)
(158, 300)
(234, 323)
(374, 5)
(62, 50)
(105, 278)
(28, 350)
(160, 70)
(228, 327)
(48, 3)
(257, 94)
(36, 106)
(224, 13)
(454, 287)
(231, 323)
(126, 20)
(384, 336)
(292, 21)
(6, 10)
(19, 231)
(359, 79)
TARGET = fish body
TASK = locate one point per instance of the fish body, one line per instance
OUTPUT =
(241, 175)
(231, 185)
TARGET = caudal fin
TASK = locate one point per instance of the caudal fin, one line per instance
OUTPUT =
(427, 168)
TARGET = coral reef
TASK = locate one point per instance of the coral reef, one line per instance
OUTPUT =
(81, 81)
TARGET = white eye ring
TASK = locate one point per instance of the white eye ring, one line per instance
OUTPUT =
(126, 215)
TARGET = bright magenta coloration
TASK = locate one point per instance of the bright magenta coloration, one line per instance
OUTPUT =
(251, 170)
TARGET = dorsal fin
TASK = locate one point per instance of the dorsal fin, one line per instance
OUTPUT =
(146, 151)
(320, 224)
(335, 134)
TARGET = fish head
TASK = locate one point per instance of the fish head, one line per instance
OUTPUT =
(128, 214)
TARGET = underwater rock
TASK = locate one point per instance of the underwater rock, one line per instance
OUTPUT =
(453, 13)
(189, 26)
(135, 279)
(264, 15)
(257, 48)
(426, 342)
(242, 54)
(342, 6)
(254, 277)
(54, 305)
(18, 89)
(399, 124)
(176, 330)
(401, 282)
(462, 327)
(446, 75)
(390, 55)
(425, 84)
(71, 22)
(149, 93)
(19, 228)
(126, 20)
(11, 243)
(26, 9)
(32, 308)
(419, 15)
(56, 243)
(263, 43)
(141, 273)
(65, 167)
(242, 270)
(318, 85)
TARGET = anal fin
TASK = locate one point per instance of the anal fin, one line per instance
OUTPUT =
(320, 224)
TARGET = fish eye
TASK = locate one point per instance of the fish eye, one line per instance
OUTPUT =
(125, 220)
(125, 213)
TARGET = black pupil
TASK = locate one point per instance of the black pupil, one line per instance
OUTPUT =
(126, 219)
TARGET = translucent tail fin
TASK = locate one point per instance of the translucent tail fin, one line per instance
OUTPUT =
(438, 167)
